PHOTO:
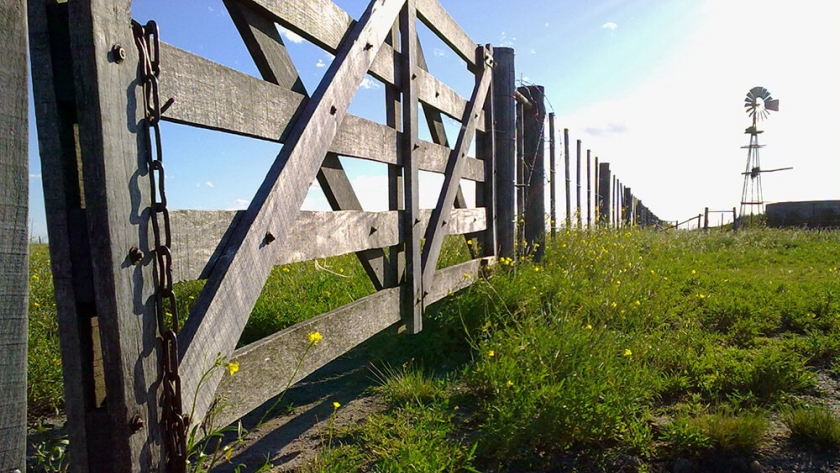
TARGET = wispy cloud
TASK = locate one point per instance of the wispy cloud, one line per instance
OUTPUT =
(439, 52)
(321, 63)
(34, 176)
(209, 184)
(606, 130)
(609, 26)
(368, 83)
(240, 204)
(290, 35)
(505, 41)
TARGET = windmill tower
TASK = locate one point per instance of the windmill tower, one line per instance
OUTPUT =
(758, 103)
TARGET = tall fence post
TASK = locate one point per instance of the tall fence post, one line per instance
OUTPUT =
(504, 110)
(604, 181)
(14, 250)
(588, 189)
(597, 196)
(552, 165)
(706, 219)
(734, 220)
(578, 214)
(568, 184)
(521, 184)
(534, 149)
(628, 206)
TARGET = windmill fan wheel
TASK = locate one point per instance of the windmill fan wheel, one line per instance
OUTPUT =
(759, 103)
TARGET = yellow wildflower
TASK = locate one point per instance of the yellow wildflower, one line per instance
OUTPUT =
(536, 268)
(588, 326)
(627, 352)
(510, 383)
(285, 269)
(491, 353)
(36, 304)
(469, 242)
(233, 367)
(315, 337)
(614, 305)
(638, 303)
(336, 405)
(693, 272)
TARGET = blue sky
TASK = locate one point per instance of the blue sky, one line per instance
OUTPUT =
(654, 87)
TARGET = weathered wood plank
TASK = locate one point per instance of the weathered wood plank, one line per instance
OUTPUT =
(267, 365)
(438, 20)
(52, 81)
(223, 307)
(454, 169)
(14, 241)
(435, 93)
(267, 49)
(411, 297)
(108, 94)
(324, 24)
(213, 96)
(504, 80)
(454, 278)
(198, 236)
(265, 46)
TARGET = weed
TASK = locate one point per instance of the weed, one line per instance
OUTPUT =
(813, 426)
(733, 434)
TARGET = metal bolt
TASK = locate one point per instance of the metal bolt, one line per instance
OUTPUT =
(269, 237)
(135, 255)
(119, 53)
(137, 424)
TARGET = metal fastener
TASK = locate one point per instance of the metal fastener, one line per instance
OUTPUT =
(118, 53)
(137, 424)
(135, 255)
(269, 237)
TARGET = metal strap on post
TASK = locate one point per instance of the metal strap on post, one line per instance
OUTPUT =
(174, 424)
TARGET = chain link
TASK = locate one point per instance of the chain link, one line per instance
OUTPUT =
(173, 422)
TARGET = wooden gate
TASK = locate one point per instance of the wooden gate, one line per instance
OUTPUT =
(90, 117)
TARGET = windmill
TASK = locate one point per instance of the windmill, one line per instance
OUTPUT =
(758, 106)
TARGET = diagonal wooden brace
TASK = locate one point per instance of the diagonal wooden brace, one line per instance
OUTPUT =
(454, 170)
(224, 305)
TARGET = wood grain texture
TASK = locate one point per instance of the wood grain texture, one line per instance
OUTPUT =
(14, 242)
(223, 307)
(438, 20)
(66, 225)
(504, 84)
(212, 96)
(266, 366)
(199, 236)
(411, 297)
(116, 195)
(454, 278)
(454, 170)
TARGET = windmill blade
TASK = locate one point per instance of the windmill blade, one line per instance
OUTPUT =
(772, 104)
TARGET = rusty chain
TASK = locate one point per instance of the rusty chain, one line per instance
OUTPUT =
(173, 422)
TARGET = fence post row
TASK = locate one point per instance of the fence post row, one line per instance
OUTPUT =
(533, 148)
(103, 257)
(14, 265)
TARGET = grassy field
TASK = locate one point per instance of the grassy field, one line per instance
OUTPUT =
(620, 348)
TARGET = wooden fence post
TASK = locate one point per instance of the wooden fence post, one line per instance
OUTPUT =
(521, 183)
(97, 195)
(597, 193)
(552, 166)
(504, 85)
(534, 148)
(604, 181)
(627, 208)
(734, 220)
(706, 219)
(14, 249)
(588, 189)
(577, 169)
(568, 183)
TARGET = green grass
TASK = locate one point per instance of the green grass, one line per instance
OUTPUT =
(813, 426)
(585, 352)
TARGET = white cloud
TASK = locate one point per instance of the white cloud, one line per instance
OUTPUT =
(240, 204)
(368, 83)
(533, 51)
(321, 63)
(34, 176)
(209, 184)
(290, 35)
(439, 52)
(609, 26)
